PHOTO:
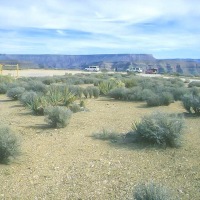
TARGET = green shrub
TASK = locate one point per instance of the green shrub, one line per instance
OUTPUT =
(187, 102)
(15, 93)
(54, 95)
(119, 93)
(129, 83)
(194, 84)
(90, 91)
(153, 100)
(74, 107)
(86, 93)
(76, 90)
(82, 104)
(178, 92)
(151, 191)
(9, 145)
(146, 93)
(68, 97)
(96, 92)
(166, 98)
(106, 86)
(160, 129)
(36, 86)
(28, 97)
(191, 103)
(3, 88)
(6, 79)
(38, 105)
(57, 117)
(106, 135)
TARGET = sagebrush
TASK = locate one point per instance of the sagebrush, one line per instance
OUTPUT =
(9, 144)
(160, 129)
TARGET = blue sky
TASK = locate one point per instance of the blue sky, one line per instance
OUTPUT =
(164, 28)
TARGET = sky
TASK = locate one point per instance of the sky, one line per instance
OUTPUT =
(164, 28)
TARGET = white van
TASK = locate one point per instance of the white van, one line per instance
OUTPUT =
(134, 69)
(92, 68)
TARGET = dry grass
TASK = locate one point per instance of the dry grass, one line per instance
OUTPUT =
(69, 164)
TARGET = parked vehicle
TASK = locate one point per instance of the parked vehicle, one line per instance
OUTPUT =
(134, 69)
(151, 71)
(92, 68)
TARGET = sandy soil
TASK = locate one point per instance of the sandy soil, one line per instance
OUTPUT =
(39, 72)
(69, 164)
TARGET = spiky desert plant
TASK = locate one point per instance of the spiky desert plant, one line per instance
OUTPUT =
(55, 96)
(38, 105)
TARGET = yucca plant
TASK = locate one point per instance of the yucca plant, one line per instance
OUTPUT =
(38, 105)
(55, 95)
(68, 97)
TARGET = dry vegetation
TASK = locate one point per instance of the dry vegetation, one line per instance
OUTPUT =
(68, 163)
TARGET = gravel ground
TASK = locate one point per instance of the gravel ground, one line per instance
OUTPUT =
(69, 164)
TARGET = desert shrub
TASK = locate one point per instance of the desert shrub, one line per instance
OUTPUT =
(187, 102)
(28, 97)
(76, 90)
(15, 93)
(82, 104)
(195, 91)
(129, 83)
(151, 191)
(191, 103)
(135, 94)
(74, 107)
(176, 82)
(106, 135)
(3, 88)
(146, 93)
(60, 95)
(38, 105)
(85, 93)
(160, 129)
(57, 117)
(119, 93)
(96, 92)
(9, 145)
(90, 91)
(178, 92)
(194, 84)
(166, 98)
(106, 86)
(6, 79)
(153, 100)
(36, 86)
(48, 80)
(55, 95)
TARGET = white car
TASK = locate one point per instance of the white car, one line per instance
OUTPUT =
(92, 68)
(135, 69)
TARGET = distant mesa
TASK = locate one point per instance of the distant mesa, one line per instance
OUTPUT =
(121, 62)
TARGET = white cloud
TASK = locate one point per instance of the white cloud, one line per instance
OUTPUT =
(111, 23)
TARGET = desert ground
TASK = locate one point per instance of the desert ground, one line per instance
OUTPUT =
(69, 164)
